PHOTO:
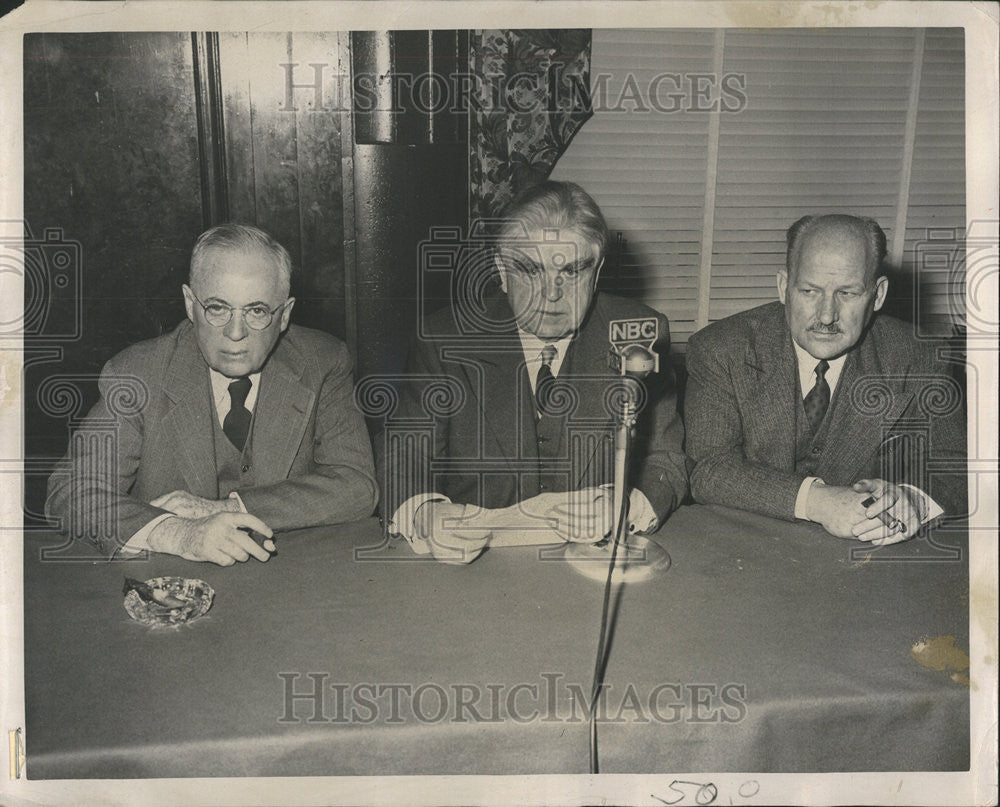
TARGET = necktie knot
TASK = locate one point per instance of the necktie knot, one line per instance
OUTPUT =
(238, 391)
(821, 367)
(544, 381)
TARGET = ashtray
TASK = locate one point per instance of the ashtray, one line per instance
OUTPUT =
(167, 601)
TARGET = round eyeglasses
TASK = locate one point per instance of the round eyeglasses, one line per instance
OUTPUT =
(257, 316)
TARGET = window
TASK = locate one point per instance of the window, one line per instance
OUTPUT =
(706, 145)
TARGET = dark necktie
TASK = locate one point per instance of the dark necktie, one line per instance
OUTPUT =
(544, 381)
(237, 422)
(818, 400)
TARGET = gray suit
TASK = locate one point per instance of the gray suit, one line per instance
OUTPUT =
(896, 413)
(311, 456)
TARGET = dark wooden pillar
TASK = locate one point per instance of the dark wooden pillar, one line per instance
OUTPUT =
(410, 178)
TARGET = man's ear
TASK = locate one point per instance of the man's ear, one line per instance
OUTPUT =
(782, 279)
(881, 289)
(286, 314)
(502, 271)
(188, 301)
(597, 273)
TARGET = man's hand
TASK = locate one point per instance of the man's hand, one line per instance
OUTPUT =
(446, 528)
(187, 505)
(904, 511)
(582, 516)
(217, 538)
(838, 509)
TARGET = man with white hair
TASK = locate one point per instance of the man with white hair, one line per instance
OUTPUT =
(242, 423)
(533, 416)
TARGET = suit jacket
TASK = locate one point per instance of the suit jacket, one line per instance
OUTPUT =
(311, 455)
(464, 423)
(896, 411)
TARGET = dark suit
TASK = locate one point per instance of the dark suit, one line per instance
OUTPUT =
(311, 458)
(895, 412)
(465, 421)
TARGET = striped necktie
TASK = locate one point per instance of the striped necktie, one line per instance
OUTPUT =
(818, 400)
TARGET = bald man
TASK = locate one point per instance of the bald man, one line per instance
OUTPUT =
(818, 408)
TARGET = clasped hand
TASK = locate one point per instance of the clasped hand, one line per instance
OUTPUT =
(458, 533)
(853, 512)
(208, 530)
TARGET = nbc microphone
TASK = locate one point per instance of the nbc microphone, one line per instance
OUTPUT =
(631, 354)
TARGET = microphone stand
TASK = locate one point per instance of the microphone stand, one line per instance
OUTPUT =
(623, 436)
(654, 558)
(623, 433)
(642, 558)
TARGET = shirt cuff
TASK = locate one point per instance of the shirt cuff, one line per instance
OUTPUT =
(402, 524)
(239, 501)
(140, 541)
(642, 516)
(929, 509)
(802, 498)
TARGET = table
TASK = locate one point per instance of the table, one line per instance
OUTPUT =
(766, 647)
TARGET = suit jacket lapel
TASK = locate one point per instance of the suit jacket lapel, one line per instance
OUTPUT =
(866, 403)
(772, 389)
(281, 414)
(189, 417)
(586, 369)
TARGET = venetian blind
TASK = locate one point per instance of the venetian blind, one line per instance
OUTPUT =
(834, 120)
(645, 166)
(823, 131)
(933, 257)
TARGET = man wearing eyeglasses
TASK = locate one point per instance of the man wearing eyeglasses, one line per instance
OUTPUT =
(243, 424)
(528, 424)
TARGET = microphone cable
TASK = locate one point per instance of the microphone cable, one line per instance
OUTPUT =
(601, 661)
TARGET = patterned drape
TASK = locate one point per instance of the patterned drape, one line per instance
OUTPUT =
(532, 94)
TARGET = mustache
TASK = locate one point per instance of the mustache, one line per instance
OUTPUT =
(823, 329)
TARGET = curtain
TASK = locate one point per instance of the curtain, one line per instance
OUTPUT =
(531, 95)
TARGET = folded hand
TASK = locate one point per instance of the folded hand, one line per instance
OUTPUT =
(902, 508)
(221, 538)
(450, 532)
(182, 503)
(583, 516)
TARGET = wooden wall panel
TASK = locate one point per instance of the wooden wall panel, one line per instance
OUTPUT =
(321, 292)
(284, 161)
(111, 160)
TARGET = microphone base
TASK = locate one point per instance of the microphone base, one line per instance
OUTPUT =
(639, 559)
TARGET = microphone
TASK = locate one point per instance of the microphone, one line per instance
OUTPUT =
(631, 353)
